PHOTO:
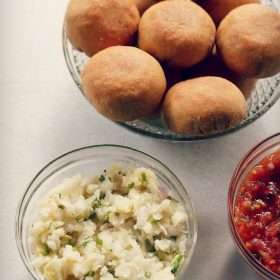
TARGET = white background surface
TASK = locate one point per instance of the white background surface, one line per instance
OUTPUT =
(43, 114)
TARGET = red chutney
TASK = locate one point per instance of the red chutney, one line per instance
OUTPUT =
(257, 212)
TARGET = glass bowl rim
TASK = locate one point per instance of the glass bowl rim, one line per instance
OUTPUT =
(246, 254)
(176, 138)
(21, 207)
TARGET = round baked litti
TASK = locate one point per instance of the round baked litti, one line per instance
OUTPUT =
(203, 106)
(179, 33)
(248, 41)
(124, 83)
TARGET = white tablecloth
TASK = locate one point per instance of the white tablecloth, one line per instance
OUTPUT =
(43, 114)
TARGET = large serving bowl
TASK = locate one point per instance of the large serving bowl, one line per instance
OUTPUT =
(95, 159)
(263, 97)
(251, 159)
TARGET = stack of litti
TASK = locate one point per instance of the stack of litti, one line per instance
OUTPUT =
(192, 63)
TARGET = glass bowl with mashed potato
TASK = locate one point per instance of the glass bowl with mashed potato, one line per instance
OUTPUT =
(106, 212)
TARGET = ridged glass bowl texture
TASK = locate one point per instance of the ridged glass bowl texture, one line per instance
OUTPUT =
(262, 98)
(251, 159)
(86, 161)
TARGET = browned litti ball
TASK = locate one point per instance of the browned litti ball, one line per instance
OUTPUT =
(203, 106)
(248, 41)
(218, 9)
(123, 83)
(178, 32)
(93, 25)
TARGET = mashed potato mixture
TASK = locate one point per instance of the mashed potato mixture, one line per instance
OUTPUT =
(119, 225)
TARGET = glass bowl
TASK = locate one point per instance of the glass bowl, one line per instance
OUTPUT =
(262, 98)
(96, 159)
(252, 158)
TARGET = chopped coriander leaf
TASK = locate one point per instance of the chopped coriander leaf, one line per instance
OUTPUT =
(176, 263)
(77, 220)
(148, 275)
(112, 271)
(173, 238)
(90, 274)
(150, 247)
(244, 219)
(85, 243)
(92, 216)
(161, 256)
(172, 199)
(143, 178)
(70, 242)
(107, 216)
(152, 220)
(101, 178)
(131, 185)
(45, 249)
(50, 226)
(102, 195)
(61, 206)
(99, 241)
(110, 179)
(96, 203)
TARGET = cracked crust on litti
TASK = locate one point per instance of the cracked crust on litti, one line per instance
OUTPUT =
(179, 33)
(93, 25)
(203, 106)
(218, 9)
(248, 41)
(123, 83)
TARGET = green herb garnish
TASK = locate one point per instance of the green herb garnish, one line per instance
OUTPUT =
(70, 242)
(176, 263)
(173, 238)
(99, 241)
(86, 241)
(152, 220)
(143, 178)
(96, 203)
(149, 246)
(243, 219)
(101, 178)
(77, 220)
(107, 216)
(112, 271)
(50, 226)
(102, 195)
(45, 250)
(92, 216)
(161, 256)
(90, 274)
(172, 199)
(131, 185)
(49, 233)
(148, 275)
